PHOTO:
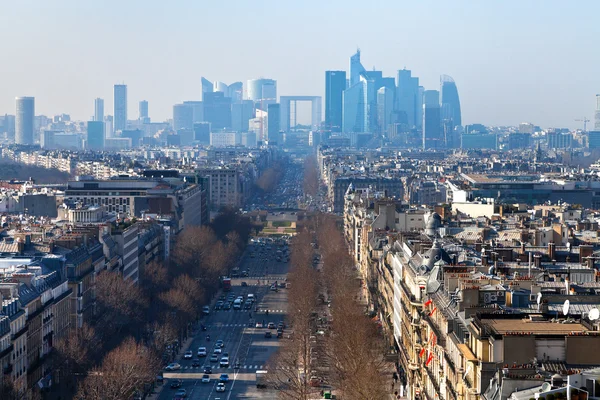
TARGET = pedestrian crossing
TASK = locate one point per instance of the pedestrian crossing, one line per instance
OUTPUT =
(216, 367)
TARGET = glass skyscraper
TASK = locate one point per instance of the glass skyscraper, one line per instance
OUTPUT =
(449, 100)
(120, 107)
(24, 120)
(335, 84)
(407, 93)
(143, 110)
(99, 110)
(432, 130)
(95, 135)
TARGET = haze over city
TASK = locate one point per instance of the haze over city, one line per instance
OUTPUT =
(513, 61)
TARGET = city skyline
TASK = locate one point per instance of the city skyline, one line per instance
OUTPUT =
(496, 86)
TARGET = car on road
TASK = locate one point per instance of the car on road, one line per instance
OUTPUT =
(259, 325)
(220, 387)
(268, 334)
(206, 310)
(214, 358)
(176, 384)
(217, 350)
(271, 325)
(196, 364)
(224, 363)
(219, 343)
(201, 352)
(208, 369)
(227, 306)
(248, 305)
(205, 378)
(244, 284)
(279, 334)
(224, 378)
(173, 367)
(218, 305)
(188, 355)
(181, 393)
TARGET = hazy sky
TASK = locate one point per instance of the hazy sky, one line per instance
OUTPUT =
(512, 60)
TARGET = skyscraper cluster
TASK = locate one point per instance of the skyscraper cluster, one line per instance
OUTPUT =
(366, 102)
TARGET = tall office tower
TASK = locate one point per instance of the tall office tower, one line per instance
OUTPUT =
(108, 126)
(597, 114)
(120, 107)
(263, 92)
(407, 92)
(217, 110)
(449, 100)
(207, 86)
(335, 84)
(236, 92)
(432, 132)
(24, 120)
(356, 68)
(99, 109)
(273, 123)
(183, 117)
(360, 107)
(202, 132)
(197, 110)
(385, 108)
(144, 111)
(95, 135)
(241, 113)
(419, 112)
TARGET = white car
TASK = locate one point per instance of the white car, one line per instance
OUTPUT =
(201, 351)
(220, 387)
(224, 363)
(173, 367)
(205, 378)
(217, 350)
(188, 355)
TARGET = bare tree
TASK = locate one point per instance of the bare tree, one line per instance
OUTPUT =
(125, 370)
(74, 354)
(311, 176)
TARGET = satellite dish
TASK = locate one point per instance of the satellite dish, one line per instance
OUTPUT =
(546, 387)
(539, 298)
(566, 305)
(594, 314)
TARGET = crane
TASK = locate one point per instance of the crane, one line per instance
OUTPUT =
(585, 121)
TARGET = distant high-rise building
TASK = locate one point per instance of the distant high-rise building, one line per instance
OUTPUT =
(95, 135)
(385, 108)
(356, 68)
(360, 107)
(144, 111)
(262, 91)
(241, 113)
(432, 130)
(99, 110)
(407, 94)
(207, 86)
(108, 126)
(183, 117)
(202, 132)
(419, 112)
(449, 100)
(217, 110)
(273, 122)
(24, 120)
(197, 109)
(120, 107)
(335, 84)
(597, 114)
(236, 92)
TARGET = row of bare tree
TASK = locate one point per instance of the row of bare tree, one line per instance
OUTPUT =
(123, 349)
(355, 347)
(310, 184)
(270, 177)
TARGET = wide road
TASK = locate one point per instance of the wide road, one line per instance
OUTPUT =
(244, 342)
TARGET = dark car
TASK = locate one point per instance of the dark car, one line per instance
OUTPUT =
(268, 334)
(176, 384)
(196, 364)
(208, 369)
(244, 284)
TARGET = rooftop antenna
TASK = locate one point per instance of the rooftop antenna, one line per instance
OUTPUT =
(594, 314)
(565, 308)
